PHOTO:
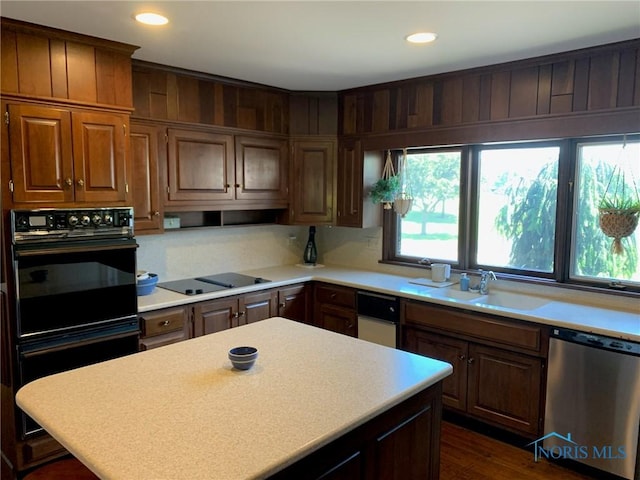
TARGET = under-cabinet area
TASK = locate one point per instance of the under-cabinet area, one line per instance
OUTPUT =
(498, 364)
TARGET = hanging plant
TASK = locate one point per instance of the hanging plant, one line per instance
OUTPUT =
(385, 189)
(618, 219)
(619, 207)
(404, 199)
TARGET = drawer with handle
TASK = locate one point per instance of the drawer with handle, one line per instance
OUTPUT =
(163, 321)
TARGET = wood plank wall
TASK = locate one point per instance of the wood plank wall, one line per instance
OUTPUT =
(43, 63)
(166, 93)
(585, 81)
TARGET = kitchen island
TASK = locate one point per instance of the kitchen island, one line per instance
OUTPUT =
(315, 402)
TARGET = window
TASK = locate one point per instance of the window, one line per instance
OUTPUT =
(526, 209)
(431, 227)
(516, 215)
(604, 170)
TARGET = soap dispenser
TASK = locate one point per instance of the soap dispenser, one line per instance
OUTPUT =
(464, 282)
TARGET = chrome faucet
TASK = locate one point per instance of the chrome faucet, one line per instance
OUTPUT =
(485, 277)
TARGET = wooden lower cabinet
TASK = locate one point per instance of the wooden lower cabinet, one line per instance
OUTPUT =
(402, 443)
(163, 327)
(335, 309)
(494, 383)
(215, 315)
(293, 303)
(221, 314)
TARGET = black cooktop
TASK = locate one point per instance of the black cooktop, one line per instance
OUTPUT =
(211, 283)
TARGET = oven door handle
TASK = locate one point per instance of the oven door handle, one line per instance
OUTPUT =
(34, 251)
(79, 343)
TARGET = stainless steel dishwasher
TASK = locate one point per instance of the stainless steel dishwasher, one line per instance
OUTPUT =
(593, 401)
(378, 317)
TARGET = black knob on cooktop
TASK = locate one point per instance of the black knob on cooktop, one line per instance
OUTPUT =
(258, 280)
(188, 291)
(199, 290)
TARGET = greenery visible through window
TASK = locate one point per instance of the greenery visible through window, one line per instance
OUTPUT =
(431, 226)
(513, 208)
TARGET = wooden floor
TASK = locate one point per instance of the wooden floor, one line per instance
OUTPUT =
(468, 455)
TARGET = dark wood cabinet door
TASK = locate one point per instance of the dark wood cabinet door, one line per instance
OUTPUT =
(447, 349)
(214, 316)
(199, 166)
(505, 388)
(145, 180)
(293, 303)
(261, 168)
(41, 154)
(254, 307)
(349, 179)
(312, 183)
(100, 153)
(410, 439)
(338, 319)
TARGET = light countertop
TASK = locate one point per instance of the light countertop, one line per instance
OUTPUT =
(183, 412)
(593, 313)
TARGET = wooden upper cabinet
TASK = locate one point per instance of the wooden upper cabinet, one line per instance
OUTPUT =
(312, 181)
(64, 156)
(41, 154)
(261, 168)
(100, 147)
(200, 166)
(41, 62)
(144, 141)
(356, 174)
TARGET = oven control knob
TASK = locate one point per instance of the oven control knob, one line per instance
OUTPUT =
(96, 219)
(23, 222)
(72, 220)
(85, 220)
(108, 219)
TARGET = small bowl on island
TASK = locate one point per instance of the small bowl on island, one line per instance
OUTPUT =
(244, 357)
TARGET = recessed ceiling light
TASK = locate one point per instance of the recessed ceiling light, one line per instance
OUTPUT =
(422, 37)
(149, 18)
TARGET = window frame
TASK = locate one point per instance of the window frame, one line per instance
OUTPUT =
(468, 214)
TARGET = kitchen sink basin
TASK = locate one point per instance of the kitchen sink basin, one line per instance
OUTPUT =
(512, 301)
(456, 294)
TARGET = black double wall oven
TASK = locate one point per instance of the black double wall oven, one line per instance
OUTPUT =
(75, 283)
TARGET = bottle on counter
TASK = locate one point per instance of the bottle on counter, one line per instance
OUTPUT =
(310, 256)
(464, 282)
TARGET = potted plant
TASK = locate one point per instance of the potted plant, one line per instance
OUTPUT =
(618, 218)
(385, 190)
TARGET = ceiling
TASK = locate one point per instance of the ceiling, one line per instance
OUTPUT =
(337, 45)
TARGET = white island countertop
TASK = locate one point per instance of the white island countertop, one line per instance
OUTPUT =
(183, 412)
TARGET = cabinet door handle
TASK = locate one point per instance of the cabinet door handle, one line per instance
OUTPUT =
(80, 182)
(166, 323)
(461, 357)
(235, 315)
(237, 185)
(241, 314)
(156, 214)
(281, 305)
(333, 295)
(470, 361)
(69, 182)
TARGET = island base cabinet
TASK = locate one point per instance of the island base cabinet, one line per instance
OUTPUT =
(400, 444)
